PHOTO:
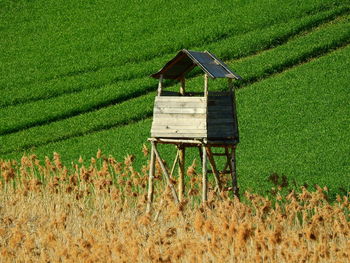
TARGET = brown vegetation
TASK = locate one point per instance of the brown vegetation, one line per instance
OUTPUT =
(49, 213)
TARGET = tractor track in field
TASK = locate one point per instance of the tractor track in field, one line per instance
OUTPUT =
(307, 57)
(278, 41)
(222, 36)
(80, 134)
(281, 68)
(73, 113)
(320, 53)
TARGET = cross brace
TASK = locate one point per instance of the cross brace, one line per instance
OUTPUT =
(206, 154)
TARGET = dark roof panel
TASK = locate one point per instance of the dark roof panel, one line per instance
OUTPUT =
(186, 60)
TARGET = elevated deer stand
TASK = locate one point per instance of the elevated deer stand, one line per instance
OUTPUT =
(204, 120)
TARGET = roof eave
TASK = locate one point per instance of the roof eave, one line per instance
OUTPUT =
(230, 74)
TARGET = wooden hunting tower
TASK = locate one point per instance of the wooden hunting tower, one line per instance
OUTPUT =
(188, 119)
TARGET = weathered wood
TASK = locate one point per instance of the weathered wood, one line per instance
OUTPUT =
(182, 86)
(229, 143)
(175, 140)
(220, 142)
(225, 103)
(181, 182)
(200, 153)
(220, 134)
(226, 121)
(180, 99)
(174, 164)
(170, 184)
(160, 85)
(181, 104)
(184, 126)
(220, 131)
(215, 94)
(176, 119)
(179, 110)
(219, 115)
(219, 128)
(232, 166)
(218, 154)
(225, 110)
(180, 135)
(204, 176)
(216, 129)
(206, 85)
(180, 131)
(188, 116)
(220, 108)
(229, 84)
(150, 180)
(236, 131)
(213, 168)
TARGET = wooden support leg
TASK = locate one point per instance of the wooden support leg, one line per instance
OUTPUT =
(170, 184)
(181, 172)
(174, 164)
(234, 172)
(200, 153)
(150, 180)
(204, 178)
(228, 161)
(213, 168)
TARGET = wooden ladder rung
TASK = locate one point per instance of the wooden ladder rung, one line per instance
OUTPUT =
(219, 154)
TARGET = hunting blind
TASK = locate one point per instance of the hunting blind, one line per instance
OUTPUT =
(188, 119)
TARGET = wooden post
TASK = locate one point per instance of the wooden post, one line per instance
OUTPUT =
(170, 184)
(234, 110)
(160, 84)
(150, 180)
(206, 85)
(230, 86)
(213, 168)
(181, 152)
(174, 164)
(234, 172)
(182, 87)
(181, 172)
(204, 176)
(200, 153)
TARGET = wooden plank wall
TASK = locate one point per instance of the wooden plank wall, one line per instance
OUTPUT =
(220, 123)
(179, 117)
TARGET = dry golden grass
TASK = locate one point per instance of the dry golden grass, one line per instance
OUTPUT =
(49, 213)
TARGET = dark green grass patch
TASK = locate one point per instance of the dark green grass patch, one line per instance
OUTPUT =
(232, 46)
(24, 116)
(44, 40)
(253, 68)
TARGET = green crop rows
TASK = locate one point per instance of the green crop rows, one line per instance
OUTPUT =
(251, 67)
(75, 78)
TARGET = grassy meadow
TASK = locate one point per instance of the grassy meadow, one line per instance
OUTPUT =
(75, 79)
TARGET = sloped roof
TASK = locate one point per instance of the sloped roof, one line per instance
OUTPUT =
(186, 60)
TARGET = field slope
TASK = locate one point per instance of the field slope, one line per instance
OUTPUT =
(75, 79)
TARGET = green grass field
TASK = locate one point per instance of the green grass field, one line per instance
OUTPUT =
(75, 78)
